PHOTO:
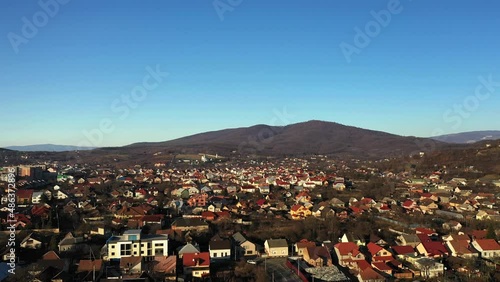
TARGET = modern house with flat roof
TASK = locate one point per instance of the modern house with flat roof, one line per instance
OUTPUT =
(133, 244)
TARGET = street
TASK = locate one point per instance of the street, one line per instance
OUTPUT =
(281, 272)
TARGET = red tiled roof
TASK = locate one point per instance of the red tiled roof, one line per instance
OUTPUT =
(346, 248)
(208, 214)
(374, 248)
(24, 194)
(363, 264)
(426, 231)
(424, 238)
(435, 248)
(408, 203)
(488, 244)
(201, 259)
(382, 266)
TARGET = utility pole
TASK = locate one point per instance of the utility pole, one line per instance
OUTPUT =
(298, 267)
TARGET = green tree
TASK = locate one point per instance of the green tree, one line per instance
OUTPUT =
(491, 234)
(53, 244)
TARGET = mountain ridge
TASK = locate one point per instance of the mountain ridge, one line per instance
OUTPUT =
(309, 137)
(469, 136)
(48, 148)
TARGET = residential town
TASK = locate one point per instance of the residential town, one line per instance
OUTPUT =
(288, 219)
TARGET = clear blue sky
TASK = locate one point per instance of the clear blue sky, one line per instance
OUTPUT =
(263, 56)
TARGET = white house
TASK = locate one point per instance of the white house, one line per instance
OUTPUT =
(59, 195)
(276, 247)
(429, 268)
(244, 247)
(133, 243)
(219, 248)
(37, 197)
(487, 248)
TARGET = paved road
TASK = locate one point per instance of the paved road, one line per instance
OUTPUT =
(281, 272)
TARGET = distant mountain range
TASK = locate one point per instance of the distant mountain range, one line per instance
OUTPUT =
(48, 148)
(305, 138)
(469, 137)
(312, 137)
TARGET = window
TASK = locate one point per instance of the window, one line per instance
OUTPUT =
(135, 253)
(126, 250)
(159, 245)
(249, 252)
(112, 246)
(215, 255)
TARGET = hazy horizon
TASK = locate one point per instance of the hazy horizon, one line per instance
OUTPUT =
(153, 141)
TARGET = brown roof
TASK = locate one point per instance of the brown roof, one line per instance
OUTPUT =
(479, 234)
(318, 252)
(50, 255)
(220, 245)
(89, 265)
(370, 274)
(165, 264)
(305, 244)
(461, 247)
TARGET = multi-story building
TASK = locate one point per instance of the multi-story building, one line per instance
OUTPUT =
(133, 243)
(31, 172)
